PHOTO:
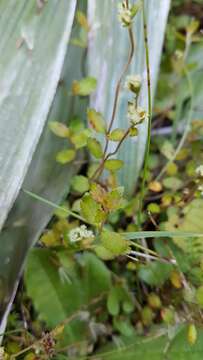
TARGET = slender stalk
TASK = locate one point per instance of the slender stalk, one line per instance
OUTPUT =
(143, 248)
(115, 104)
(118, 87)
(50, 203)
(147, 151)
(151, 257)
(100, 168)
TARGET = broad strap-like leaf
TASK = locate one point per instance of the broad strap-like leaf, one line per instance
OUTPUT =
(33, 45)
(45, 177)
(159, 234)
(108, 52)
(157, 347)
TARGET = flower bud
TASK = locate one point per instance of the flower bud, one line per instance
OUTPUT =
(133, 83)
(127, 13)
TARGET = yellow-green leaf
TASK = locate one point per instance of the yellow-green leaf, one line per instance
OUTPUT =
(65, 156)
(192, 334)
(84, 87)
(114, 242)
(116, 134)
(114, 199)
(103, 253)
(59, 129)
(80, 183)
(80, 139)
(113, 164)
(96, 121)
(95, 148)
(91, 210)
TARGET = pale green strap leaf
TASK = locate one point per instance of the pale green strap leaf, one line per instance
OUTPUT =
(33, 45)
(46, 178)
(158, 234)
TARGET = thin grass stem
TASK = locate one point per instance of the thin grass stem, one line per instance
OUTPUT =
(147, 151)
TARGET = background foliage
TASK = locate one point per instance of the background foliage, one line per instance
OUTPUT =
(124, 294)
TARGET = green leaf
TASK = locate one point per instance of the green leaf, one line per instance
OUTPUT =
(167, 150)
(59, 129)
(113, 164)
(154, 208)
(95, 148)
(114, 199)
(65, 156)
(155, 273)
(76, 124)
(124, 326)
(103, 253)
(156, 347)
(80, 139)
(96, 121)
(30, 72)
(91, 210)
(113, 305)
(173, 183)
(116, 135)
(114, 242)
(84, 87)
(42, 277)
(80, 183)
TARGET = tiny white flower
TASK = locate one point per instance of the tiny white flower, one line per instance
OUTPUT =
(200, 188)
(127, 13)
(199, 170)
(79, 233)
(135, 114)
(124, 14)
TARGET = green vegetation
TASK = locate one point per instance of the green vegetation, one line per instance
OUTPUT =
(115, 275)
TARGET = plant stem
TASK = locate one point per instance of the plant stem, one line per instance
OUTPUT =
(118, 87)
(50, 203)
(143, 248)
(101, 166)
(147, 151)
(115, 104)
(151, 257)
